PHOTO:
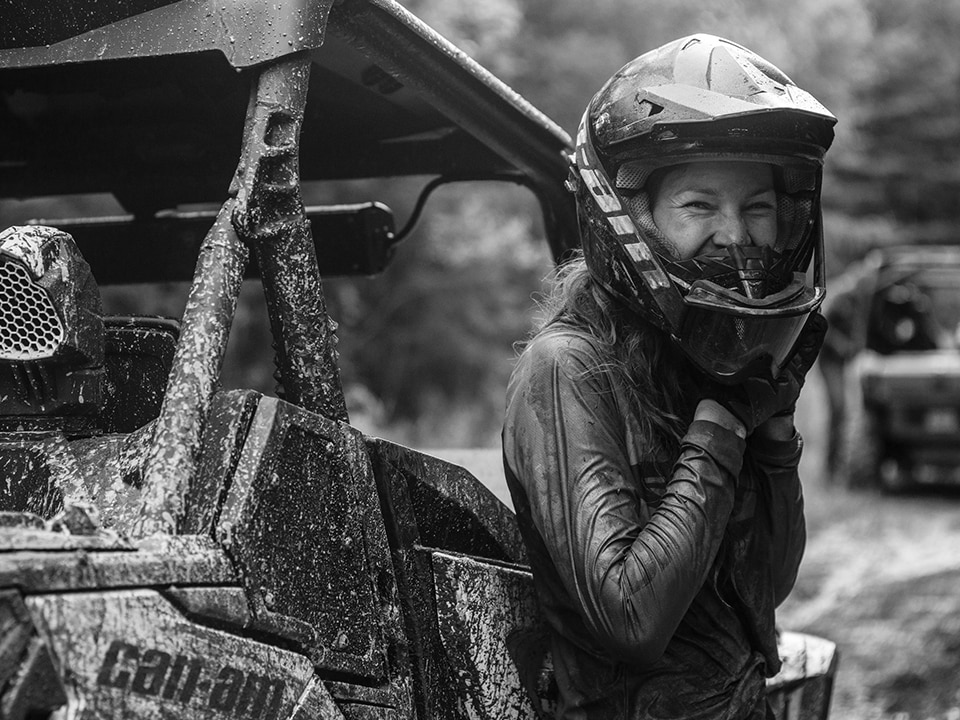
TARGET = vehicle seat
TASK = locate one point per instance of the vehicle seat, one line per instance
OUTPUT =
(138, 356)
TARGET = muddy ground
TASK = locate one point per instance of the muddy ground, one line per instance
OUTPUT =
(880, 577)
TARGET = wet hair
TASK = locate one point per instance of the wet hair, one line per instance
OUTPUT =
(638, 356)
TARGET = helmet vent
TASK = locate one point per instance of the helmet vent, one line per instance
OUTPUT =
(30, 327)
(645, 109)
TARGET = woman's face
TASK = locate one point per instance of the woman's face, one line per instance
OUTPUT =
(702, 207)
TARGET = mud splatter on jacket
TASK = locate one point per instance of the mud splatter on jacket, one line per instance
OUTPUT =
(658, 576)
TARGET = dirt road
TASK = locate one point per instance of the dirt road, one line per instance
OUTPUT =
(881, 578)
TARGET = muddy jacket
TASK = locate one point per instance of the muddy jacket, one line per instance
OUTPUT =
(658, 575)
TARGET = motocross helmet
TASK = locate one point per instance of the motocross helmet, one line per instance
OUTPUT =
(734, 313)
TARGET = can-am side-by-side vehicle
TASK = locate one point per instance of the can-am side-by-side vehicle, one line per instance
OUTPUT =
(171, 549)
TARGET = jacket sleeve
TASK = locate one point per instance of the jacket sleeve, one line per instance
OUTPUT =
(631, 570)
(776, 464)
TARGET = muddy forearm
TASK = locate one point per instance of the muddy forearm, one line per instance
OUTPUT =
(639, 588)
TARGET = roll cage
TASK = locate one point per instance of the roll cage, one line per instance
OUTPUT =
(154, 101)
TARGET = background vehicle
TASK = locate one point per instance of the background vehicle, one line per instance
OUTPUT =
(904, 416)
(172, 549)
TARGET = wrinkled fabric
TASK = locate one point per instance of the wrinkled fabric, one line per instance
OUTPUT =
(658, 575)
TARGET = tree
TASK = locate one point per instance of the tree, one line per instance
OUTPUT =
(429, 345)
(907, 167)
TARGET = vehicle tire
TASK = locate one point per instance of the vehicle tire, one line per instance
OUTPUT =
(862, 448)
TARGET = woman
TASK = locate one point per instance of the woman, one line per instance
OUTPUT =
(649, 442)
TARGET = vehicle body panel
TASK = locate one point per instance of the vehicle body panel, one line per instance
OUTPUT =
(908, 371)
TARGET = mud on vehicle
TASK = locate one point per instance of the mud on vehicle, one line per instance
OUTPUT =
(172, 549)
(903, 426)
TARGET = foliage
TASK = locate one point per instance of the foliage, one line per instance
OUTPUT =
(888, 70)
(436, 331)
(428, 346)
(907, 163)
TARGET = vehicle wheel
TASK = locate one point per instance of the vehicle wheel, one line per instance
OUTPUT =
(862, 447)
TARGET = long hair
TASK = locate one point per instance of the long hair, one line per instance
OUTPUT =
(639, 357)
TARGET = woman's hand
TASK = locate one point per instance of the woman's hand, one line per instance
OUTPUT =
(808, 347)
(754, 401)
(779, 427)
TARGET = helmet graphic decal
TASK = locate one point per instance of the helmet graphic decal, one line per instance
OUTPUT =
(621, 226)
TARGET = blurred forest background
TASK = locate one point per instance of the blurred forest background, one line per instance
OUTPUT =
(445, 317)
(427, 347)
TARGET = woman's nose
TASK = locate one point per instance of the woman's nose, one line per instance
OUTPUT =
(732, 230)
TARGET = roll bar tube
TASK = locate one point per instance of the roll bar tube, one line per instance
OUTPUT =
(265, 213)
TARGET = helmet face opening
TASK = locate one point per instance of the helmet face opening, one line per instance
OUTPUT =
(702, 98)
(796, 186)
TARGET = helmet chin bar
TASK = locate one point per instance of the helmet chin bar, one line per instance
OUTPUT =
(731, 348)
(751, 272)
(731, 336)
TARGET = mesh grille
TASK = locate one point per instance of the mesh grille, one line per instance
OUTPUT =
(793, 217)
(632, 176)
(30, 328)
(740, 327)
